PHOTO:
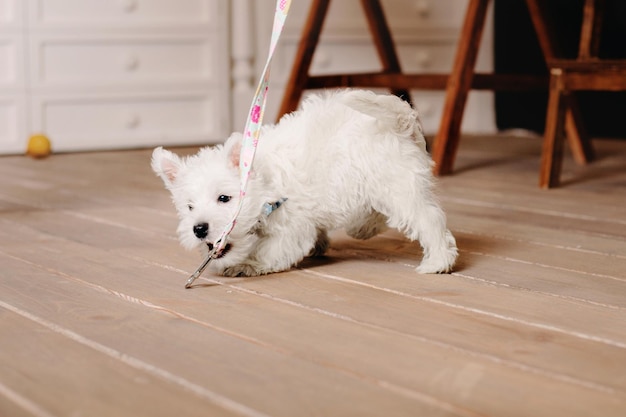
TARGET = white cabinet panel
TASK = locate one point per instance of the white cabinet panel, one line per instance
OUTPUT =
(124, 60)
(10, 13)
(12, 124)
(356, 56)
(11, 67)
(122, 122)
(440, 14)
(346, 17)
(11, 46)
(123, 12)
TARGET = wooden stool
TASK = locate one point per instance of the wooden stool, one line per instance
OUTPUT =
(457, 84)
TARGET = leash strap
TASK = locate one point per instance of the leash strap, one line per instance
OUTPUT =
(250, 135)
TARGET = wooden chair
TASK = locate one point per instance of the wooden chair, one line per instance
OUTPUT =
(562, 110)
(447, 138)
(586, 72)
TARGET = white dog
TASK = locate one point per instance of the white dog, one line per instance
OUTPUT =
(349, 159)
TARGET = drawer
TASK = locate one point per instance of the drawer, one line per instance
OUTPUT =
(402, 16)
(357, 56)
(11, 61)
(429, 13)
(93, 61)
(12, 125)
(10, 13)
(438, 57)
(106, 123)
(116, 13)
(478, 117)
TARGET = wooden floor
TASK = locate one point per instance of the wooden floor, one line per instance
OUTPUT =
(94, 319)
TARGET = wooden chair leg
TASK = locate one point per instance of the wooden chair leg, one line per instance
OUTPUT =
(552, 150)
(588, 49)
(459, 83)
(576, 134)
(304, 56)
(383, 41)
(591, 28)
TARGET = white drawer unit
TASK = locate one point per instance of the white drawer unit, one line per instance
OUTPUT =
(105, 74)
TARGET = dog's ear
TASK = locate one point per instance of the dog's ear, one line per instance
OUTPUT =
(166, 165)
(233, 149)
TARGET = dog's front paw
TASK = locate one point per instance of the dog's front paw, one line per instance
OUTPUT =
(440, 261)
(241, 270)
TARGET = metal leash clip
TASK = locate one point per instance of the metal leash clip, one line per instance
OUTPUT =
(202, 266)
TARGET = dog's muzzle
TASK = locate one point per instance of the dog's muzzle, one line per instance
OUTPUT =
(222, 253)
(201, 230)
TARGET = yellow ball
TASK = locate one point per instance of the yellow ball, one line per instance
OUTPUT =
(38, 146)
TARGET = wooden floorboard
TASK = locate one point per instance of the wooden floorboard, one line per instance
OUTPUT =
(94, 319)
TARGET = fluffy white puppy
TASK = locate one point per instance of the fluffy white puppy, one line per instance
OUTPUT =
(349, 159)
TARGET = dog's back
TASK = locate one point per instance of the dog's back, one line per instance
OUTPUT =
(391, 113)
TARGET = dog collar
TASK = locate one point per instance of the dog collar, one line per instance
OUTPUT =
(268, 208)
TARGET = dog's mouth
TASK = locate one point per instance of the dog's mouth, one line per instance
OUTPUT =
(222, 253)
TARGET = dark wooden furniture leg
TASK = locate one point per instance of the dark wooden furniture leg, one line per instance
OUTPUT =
(384, 43)
(300, 79)
(570, 118)
(459, 84)
(304, 55)
(552, 150)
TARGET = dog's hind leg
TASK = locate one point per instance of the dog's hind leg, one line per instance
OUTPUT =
(411, 207)
(367, 226)
(440, 251)
(427, 224)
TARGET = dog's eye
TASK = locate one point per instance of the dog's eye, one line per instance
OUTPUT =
(224, 198)
(190, 207)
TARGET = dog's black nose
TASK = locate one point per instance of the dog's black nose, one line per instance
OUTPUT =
(201, 230)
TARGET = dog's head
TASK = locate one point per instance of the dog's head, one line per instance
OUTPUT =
(205, 190)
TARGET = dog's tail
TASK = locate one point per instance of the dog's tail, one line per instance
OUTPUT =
(391, 112)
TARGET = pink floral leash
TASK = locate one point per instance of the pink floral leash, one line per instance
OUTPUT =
(250, 136)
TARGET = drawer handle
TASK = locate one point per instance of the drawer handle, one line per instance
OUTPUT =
(323, 60)
(133, 121)
(132, 63)
(422, 59)
(129, 6)
(422, 7)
